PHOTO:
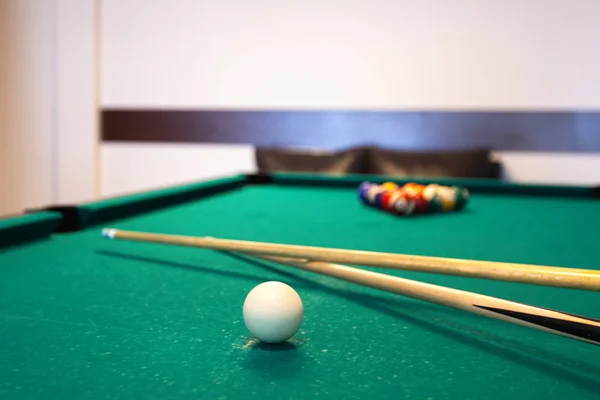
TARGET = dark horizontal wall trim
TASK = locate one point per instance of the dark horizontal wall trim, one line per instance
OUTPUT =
(526, 131)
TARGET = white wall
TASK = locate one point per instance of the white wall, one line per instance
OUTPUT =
(77, 100)
(436, 54)
(62, 60)
(26, 97)
(48, 103)
(550, 168)
(385, 54)
(134, 167)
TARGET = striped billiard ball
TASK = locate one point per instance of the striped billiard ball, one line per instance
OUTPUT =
(372, 193)
(402, 204)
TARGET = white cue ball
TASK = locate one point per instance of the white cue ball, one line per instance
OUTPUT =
(273, 312)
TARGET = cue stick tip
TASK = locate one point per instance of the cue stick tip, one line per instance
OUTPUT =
(109, 233)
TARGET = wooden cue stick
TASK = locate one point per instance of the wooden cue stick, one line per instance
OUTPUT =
(568, 325)
(523, 273)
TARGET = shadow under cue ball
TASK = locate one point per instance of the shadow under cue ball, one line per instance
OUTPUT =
(273, 312)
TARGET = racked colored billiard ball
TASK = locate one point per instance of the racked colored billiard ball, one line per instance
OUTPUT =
(401, 203)
(389, 186)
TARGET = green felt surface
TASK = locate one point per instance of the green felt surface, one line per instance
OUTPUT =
(85, 317)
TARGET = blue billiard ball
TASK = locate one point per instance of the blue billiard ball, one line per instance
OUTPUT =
(363, 190)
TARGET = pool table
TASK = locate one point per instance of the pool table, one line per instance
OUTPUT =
(85, 317)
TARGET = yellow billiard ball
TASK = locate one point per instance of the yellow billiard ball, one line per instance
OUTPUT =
(389, 186)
